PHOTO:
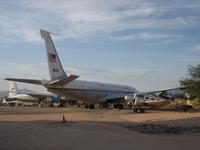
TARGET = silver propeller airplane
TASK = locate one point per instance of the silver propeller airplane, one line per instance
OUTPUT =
(66, 85)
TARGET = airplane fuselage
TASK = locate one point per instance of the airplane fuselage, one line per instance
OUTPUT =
(23, 97)
(93, 92)
(66, 85)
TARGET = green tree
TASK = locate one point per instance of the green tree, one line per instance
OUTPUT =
(192, 83)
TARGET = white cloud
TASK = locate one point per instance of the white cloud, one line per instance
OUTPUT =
(188, 59)
(21, 20)
(40, 71)
(78, 19)
(145, 36)
(19, 70)
(29, 71)
(196, 48)
(140, 78)
(102, 74)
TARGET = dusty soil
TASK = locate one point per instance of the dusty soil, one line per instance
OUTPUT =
(42, 128)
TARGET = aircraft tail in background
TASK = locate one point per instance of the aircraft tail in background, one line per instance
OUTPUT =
(13, 90)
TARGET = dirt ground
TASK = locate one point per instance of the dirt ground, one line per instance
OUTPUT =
(42, 128)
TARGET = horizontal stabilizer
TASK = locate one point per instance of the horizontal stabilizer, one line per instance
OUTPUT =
(25, 80)
(62, 82)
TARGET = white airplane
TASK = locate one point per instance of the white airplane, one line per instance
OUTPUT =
(20, 96)
(66, 85)
(14, 94)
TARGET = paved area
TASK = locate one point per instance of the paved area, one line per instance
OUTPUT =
(42, 128)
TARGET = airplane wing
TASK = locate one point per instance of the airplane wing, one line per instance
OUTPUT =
(55, 83)
(25, 80)
(160, 91)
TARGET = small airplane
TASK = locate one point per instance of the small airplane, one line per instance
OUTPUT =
(154, 100)
(27, 97)
(66, 85)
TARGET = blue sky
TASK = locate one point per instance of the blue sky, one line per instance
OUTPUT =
(147, 44)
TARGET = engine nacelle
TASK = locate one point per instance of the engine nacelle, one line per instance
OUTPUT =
(129, 98)
(134, 99)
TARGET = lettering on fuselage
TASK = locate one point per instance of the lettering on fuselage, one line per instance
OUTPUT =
(52, 57)
(55, 70)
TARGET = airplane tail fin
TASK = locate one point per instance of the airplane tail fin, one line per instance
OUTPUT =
(55, 68)
(57, 73)
(13, 90)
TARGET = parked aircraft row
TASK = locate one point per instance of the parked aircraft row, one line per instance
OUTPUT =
(66, 85)
(27, 97)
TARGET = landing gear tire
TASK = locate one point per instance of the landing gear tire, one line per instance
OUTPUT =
(136, 110)
(86, 106)
(142, 110)
(89, 106)
(120, 106)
